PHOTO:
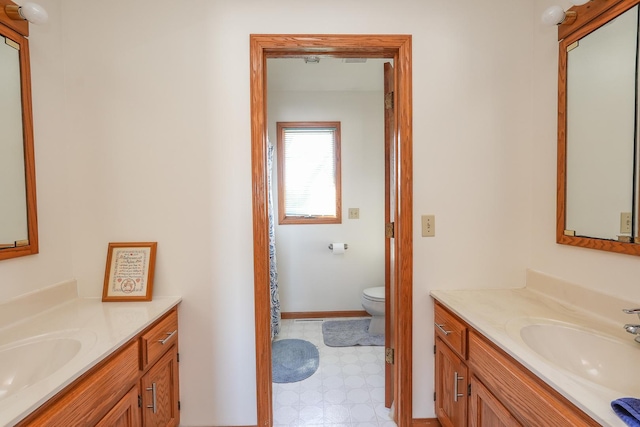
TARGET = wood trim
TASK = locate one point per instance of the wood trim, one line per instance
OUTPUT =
(585, 14)
(22, 27)
(323, 314)
(337, 156)
(606, 11)
(399, 48)
(426, 422)
(29, 157)
(404, 235)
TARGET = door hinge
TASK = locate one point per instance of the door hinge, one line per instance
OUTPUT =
(434, 396)
(388, 101)
(178, 357)
(178, 405)
(469, 390)
(389, 230)
(139, 401)
(434, 349)
(389, 356)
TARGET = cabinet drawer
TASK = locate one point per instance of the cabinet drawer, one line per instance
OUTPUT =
(525, 396)
(157, 340)
(451, 330)
(89, 398)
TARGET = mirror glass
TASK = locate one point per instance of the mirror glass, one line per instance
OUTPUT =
(601, 97)
(18, 223)
(598, 132)
(13, 215)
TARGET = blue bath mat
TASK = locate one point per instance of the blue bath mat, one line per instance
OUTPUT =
(347, 333)
(293, 360)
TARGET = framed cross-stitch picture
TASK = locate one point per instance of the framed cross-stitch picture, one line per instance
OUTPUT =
(129, 272)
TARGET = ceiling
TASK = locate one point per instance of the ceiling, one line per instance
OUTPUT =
(330, 74)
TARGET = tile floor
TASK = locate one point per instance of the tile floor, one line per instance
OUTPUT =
(347, 390)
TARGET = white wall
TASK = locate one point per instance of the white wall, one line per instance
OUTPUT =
(143, 133)
(310, 277)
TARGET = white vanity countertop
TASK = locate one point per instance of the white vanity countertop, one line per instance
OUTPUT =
(498, 315)
(100, 327)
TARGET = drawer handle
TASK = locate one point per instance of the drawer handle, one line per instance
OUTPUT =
(456, 378)
(169, 335)
(152, 389)
(441, 327)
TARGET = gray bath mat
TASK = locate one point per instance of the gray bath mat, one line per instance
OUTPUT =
(293, 360)
(347, 333)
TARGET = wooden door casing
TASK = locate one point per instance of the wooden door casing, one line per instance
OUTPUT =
(399, 48)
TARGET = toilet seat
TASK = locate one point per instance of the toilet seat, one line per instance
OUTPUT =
(375, 294)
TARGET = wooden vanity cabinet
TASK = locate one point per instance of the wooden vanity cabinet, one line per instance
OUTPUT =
(135, 386)
(125, 413)
(159, 388)
(159, 384)
(485, 410)
(451, 387)
(452, 379)
(501, 392)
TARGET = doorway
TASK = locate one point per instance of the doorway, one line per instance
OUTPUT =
(342, 46)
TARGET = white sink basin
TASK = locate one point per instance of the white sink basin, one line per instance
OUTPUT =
(30, 361)
(604, 360)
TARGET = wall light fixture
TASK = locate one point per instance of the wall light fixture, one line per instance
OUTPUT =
(556, 15)
(32, 12)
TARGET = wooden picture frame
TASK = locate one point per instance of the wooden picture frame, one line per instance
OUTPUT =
(129, 272)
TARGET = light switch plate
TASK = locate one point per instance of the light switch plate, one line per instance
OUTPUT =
(625, 222)
(354, 213)
(428, 225)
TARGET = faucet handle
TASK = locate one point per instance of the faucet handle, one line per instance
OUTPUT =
(632, 311)
(632, 329)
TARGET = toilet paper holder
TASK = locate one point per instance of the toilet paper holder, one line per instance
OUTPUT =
(331, 246)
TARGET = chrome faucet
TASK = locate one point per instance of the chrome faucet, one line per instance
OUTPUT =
(631, 328)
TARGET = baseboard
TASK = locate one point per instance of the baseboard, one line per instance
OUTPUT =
(322, 314)
(425, 422)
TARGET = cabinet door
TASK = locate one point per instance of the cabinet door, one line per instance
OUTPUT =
(485, 410)
(159, 388)
(451, 387)
(125, 413)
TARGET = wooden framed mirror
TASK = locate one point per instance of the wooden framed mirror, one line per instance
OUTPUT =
(18, 217)
(598, 167)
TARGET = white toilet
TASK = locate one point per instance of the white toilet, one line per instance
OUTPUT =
(373, 302)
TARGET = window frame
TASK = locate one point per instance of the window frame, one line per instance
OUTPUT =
(297, 219)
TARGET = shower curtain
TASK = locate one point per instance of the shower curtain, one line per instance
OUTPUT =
(273, 271)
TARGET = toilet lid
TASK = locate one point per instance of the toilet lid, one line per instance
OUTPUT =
(376, 293)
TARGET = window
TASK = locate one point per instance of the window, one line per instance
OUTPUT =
(309, 173)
